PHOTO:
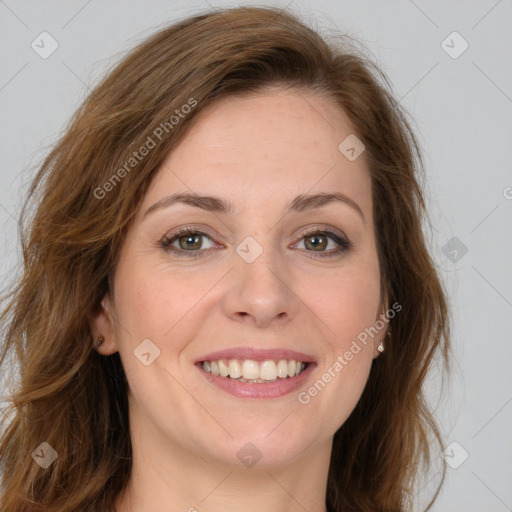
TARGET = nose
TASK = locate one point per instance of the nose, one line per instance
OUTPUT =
(260, 292)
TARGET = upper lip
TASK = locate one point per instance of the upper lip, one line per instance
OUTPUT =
(256, 354)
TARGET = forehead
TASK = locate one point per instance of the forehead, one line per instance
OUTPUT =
(262, 146)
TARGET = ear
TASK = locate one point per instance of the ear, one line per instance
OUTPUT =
(102, 324)
(382, 325)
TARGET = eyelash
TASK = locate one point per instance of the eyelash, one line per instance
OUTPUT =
(343, 242)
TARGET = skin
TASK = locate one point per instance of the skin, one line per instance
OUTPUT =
(258, 151)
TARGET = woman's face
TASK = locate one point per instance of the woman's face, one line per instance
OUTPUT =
(284, 274)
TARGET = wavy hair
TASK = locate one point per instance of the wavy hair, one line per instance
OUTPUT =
(80, 204)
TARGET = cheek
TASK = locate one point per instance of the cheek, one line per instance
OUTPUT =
(153, 304)
(349, 309)
(346, 300)
(162, 304)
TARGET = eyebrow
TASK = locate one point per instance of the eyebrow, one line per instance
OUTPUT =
(219, 205)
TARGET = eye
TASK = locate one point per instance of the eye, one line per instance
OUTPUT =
(190, 242)
(186, 242)
(325, 243)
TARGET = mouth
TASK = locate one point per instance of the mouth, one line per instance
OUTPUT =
(255, 372)
(260, 374)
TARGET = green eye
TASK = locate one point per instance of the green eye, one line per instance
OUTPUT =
(188, 241)
(317, 242)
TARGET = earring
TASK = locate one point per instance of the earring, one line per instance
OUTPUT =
(380, 348)
(101, 339)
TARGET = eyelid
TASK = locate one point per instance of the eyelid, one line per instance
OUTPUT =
(183, 230)
(330, 232)
(322, 228)
(338, 236)
(166, 240)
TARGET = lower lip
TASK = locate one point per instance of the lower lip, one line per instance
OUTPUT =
(275, 389)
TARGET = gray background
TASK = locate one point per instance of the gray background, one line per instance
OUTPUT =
(462, 112)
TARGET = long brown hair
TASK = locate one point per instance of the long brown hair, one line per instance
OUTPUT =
(69, 396)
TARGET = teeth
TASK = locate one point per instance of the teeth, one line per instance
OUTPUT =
(223, 369)
(282, 369)
(250, 369)
(214, 368)
(268, 370)
(235, 369)
(254, 371)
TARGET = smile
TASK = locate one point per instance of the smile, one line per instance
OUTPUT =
(248, 370)
(252, 378)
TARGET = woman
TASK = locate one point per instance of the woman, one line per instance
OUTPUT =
(227, 300)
